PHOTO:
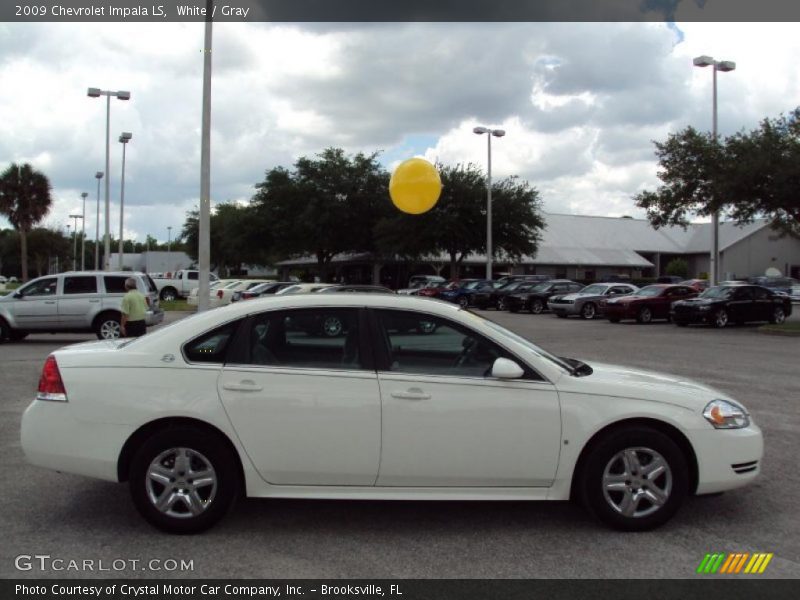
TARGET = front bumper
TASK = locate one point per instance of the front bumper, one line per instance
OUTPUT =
(727, 458)
(565, 309)
(693, 316)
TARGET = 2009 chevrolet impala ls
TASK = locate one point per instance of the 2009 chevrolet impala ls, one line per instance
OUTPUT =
(377, 397)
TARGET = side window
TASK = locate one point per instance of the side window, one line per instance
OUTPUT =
(43, 287)
(743, 294)
(192, 275)
(211, 347)
(618, 291)
(114, 284)
(434, 346)
(80, 285)
(575, 287)
(315, 338)
(761, 293)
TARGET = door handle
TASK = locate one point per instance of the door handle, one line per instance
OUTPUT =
(243, 386)
(411, 394)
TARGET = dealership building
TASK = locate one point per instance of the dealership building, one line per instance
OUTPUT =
(591, 248)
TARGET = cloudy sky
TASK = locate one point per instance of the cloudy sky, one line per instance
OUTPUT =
(580, 102)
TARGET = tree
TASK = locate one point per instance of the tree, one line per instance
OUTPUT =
(25, 200)
(678, 267)
(326, 206)
(46, 245)
(517, 220)
(748, 175)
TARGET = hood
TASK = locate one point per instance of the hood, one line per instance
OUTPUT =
(579, 296)
(628, 382)
(699, 301)
(627, 299)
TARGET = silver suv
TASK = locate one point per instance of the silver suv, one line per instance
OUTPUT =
(73, 302)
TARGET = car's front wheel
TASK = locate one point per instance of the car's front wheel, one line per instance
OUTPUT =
(720, 318)
(184, 480)
(463, 302)
(778, 316)
(635, 479)
(537, 306)
(645, 315)
(589, 311)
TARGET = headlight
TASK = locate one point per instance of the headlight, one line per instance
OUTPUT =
(704, 307)
(726, 415)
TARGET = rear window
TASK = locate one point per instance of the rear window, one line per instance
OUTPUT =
(114, 284)
(151, 285)
(211, 347)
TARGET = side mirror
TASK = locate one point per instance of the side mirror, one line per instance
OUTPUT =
(504, 368)
(17, 295)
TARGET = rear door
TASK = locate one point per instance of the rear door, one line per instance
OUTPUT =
(79, 301)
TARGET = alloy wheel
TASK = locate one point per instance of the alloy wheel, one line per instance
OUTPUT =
(537, 307)
(637, 482)
(589, 311)
(779, 316)
(645, 315)
(332, 326)
(110, 329)
(721, 318)
(181, 483)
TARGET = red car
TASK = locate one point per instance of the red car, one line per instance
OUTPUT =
(699, 284)
(432, 290)
(651, 302)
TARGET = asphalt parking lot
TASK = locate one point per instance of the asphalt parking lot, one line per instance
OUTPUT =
(75, 518)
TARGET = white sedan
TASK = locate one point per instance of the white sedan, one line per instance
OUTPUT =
(252, 398)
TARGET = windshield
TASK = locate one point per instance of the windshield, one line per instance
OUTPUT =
(649, 292)
(717, 292)
(471, 285)
(530, 346)
(540, 287)
(594, 289)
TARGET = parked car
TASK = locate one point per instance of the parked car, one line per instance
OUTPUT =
(781, 284)
(587, 302)
(212, 287)
(535, 298)
(434, 289)
(180, 284)
(303, 288)
(649, 303)
(74, 302)
(222, 296)
(3, 279)
(470, 412)
(356, 288)
(794, 294)
(698, 284)
(462, 293)
(496, 297)
(262, 289)
(418, 282)
(721, 305)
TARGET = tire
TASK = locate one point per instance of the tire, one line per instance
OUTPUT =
(107, 326)
(501, 304)
(331, 326)
(5, 331)
(617, 488)
(463, 302)
(589, 311)
(778, 316)
(156, 474)
(645, 315)
(537, 306)
(169, 294)
(720, 318)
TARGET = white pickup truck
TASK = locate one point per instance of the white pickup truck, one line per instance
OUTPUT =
(179, 285)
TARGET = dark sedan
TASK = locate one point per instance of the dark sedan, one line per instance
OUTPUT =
(535, 299)
(496, 297)
(464, 292)
(649, 303)
(721, 305)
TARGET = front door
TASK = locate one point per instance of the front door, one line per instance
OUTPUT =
(303, 397)
(38, 306)
(447, 423)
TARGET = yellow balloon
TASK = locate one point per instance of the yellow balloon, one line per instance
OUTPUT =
(415, 186)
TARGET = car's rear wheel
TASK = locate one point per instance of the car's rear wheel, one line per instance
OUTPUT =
(778, 316)
(645, 315)
(107, 327)
(184, 480)
(589, 311)
(635, 479)
(463, 302)
(720, 318)
(169, 294)
(537, 306)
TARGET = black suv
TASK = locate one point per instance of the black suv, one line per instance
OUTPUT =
(535, 299)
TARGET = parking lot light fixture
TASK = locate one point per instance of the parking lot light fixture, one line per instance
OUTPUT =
(98, 176)
(75, 241)
(120, 95)
(124, 138)
(492, 133)
(725, 66)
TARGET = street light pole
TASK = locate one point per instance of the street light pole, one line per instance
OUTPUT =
(98, 176)
(496, 133)
(124, 138)
(121, 95)
(75, 241)
(83, 232)
(169, 246)
(724, 66)
(204, 220)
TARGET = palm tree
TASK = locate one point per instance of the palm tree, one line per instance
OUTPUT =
(25, 200)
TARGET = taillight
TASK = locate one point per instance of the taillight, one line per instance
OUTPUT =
(51, 387)
(147, 299)
(219, 294)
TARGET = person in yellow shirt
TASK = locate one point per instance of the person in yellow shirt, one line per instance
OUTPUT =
(134, 309)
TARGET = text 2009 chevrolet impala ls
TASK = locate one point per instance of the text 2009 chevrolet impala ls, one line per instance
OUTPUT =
(412, 399)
